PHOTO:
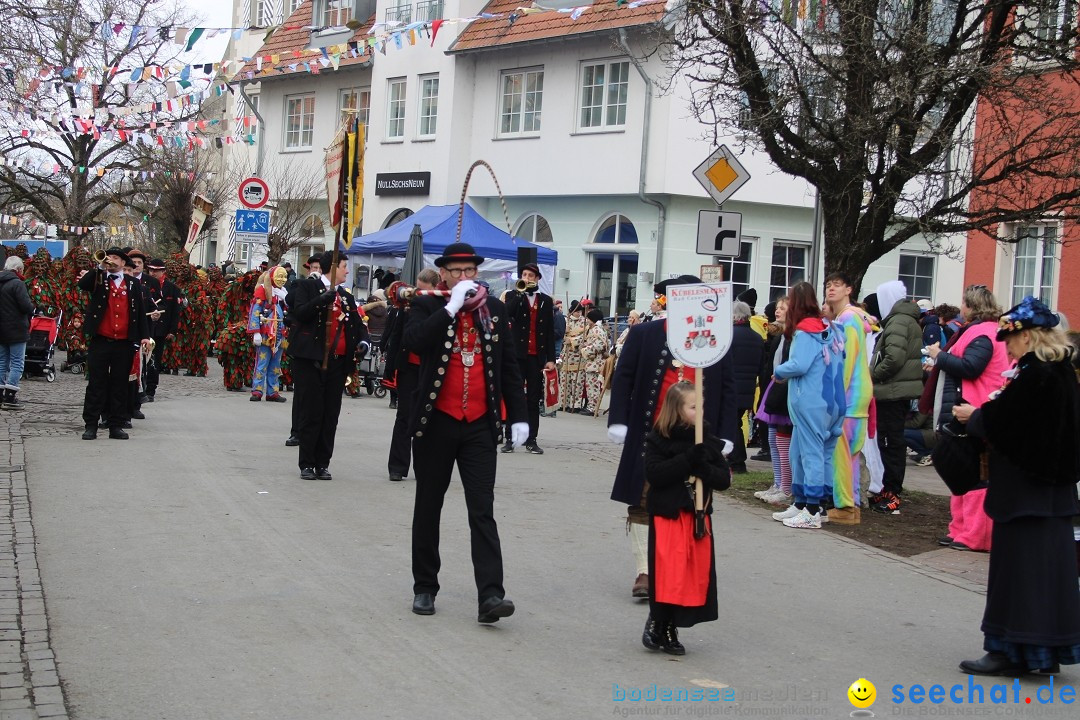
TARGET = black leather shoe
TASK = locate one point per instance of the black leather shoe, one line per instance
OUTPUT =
(149, 398)
(293, 441)
(138, 415)
(396, 477)
(494, 608)
(307, 473)
(650, 638)
(508, 447)
(126, 424)
(763, 456)
(104, 424)
(669, 641)
(117, 434)
(424, 604)
(995, 664)
(90, 433)
(323, 474)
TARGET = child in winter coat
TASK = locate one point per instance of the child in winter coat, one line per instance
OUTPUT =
(682, 568)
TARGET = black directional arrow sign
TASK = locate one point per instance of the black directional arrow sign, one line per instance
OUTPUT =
(719, 233)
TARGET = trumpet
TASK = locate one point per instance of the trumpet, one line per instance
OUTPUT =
(99, 258)
(524, 286)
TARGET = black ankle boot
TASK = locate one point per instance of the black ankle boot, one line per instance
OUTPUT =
(651, 637)
(669, 641)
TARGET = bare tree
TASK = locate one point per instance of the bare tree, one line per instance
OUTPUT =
(74, 83)
(299, 193)
(875, 103)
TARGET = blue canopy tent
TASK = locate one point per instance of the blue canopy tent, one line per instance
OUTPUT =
(439, 226)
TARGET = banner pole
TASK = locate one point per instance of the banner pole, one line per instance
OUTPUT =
(699, 437)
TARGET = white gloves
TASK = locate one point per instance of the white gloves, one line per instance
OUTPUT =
(519, 433)
(728, 447)
(457, 296)
(280, 293)
(617, 434)
(256, 339)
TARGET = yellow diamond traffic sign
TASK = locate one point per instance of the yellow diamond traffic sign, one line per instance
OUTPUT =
(721, 174)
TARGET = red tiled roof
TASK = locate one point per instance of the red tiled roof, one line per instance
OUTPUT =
(285, 44)
(500, 32)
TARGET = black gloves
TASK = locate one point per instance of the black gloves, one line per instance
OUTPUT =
(704, 458)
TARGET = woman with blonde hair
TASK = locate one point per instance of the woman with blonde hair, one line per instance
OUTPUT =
(1032, 617)
(969, 369)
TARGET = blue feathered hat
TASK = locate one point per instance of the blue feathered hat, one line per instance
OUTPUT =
(1030, 313)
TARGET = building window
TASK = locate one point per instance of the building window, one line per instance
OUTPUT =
(429, 105)
(337, 12)
(1035, 265)
(737, 269)
(788, 268)
(1045, 26)
(253, 122)
(535, 229)
(521, 102)
(312, 228)
(603, 94)
(264, 12)
(399, 215)
(395, 110)
(917, 274)
(355, 101)
(399, 13)
(428, 10)
(291, 6)
(299, 120)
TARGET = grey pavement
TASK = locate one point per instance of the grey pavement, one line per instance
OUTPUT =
(189, 573)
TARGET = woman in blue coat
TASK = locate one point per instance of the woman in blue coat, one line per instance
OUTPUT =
(816, 403)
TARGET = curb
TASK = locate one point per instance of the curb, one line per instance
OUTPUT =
(29, 684)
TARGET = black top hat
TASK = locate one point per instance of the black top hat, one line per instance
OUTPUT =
(458, 252)
(532, 266)
(661, 287)
(748, 296)
(118, 252)
(156, 264)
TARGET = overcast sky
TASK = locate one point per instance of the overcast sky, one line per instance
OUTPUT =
(212, 13)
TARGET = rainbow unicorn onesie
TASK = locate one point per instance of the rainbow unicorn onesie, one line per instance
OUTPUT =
(855, 324)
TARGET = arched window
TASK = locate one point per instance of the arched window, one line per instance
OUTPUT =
(616, 229)
(535, 229)
(312, 228)
(397, 216)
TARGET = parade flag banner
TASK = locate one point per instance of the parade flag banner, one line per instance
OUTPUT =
(699, 323)
(334, 155)
(200, 209)
(355, 183)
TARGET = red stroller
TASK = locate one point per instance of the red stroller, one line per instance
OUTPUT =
(40, 347)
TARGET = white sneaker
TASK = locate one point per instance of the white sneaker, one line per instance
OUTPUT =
(804, 521)
(783, 515)
(824, 515)
(760, 494)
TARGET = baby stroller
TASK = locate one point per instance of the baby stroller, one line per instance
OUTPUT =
(371, 370)
(40, 347)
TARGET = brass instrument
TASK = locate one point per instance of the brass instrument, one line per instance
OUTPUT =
(99, 258)
(400, 293)
(525, 287)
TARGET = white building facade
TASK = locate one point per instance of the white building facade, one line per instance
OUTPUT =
(590, 159)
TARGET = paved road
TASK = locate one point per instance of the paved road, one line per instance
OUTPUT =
(189, 573)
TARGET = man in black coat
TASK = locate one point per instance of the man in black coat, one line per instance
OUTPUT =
(467, 372)
(116, 326)
(532, 319)
(164, 320)
(644, 367)
(747, 349)
(319, 300)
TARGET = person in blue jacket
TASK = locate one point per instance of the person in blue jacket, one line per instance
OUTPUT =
(816, 404)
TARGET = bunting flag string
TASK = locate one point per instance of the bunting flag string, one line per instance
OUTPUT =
(26, 113)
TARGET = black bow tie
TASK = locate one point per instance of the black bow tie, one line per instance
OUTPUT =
(114, 276)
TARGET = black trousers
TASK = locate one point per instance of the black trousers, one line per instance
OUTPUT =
(891, 444)
(152, 370)
(532, 369)
(408, 376)
(317, 396)
(108, 365)
(447, 441)
(738, 455)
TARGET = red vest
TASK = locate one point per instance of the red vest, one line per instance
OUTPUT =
(453, 400)
(335, 321)
(532, 326)
(114, 324)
